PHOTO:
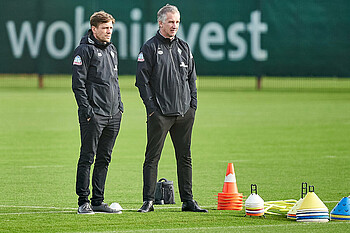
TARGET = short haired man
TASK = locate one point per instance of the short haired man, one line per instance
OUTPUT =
(96, 88)
(166, 79)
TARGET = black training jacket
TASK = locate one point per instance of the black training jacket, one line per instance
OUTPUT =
(95, 78)
(166, 76)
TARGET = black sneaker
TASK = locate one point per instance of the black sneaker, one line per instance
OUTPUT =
(85, 209)
(104, 208)
(146, 207)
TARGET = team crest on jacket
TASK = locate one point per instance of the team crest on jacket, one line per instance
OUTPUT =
(77, 61)
(140, 57)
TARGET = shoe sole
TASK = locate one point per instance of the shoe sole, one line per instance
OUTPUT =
(86, 213)
(194, 211)
(102, 212)
(142, 211)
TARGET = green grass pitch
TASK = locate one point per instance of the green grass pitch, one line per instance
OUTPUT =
(276, 139)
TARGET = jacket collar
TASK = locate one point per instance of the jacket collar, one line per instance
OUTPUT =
(90, 39)
(165, 40)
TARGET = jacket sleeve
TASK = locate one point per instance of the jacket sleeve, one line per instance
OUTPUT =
(80, 66)
(192, 77)
(121, 105)
(143, 76)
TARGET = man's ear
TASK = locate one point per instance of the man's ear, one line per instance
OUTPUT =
(160, 23)
(94, 29)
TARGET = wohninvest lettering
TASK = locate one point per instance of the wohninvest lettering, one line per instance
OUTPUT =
(215, 43)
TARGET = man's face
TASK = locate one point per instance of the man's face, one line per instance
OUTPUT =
(170, 26)
(103, 32)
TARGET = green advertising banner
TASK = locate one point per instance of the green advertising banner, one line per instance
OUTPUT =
(240, 37)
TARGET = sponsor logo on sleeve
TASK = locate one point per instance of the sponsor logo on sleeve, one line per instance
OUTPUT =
(140, 57)
(77, 61)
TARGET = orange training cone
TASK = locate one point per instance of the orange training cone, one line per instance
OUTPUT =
(230, 199)
(230, 185)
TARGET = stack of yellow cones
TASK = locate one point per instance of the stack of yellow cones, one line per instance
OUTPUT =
(341, 212)
(230, 199)
(254, 205)
(312, 209)
(292, 214)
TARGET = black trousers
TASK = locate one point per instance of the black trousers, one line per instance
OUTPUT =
(97, 138)
(180, 128)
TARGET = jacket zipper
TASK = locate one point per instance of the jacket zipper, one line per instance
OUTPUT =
(177, 77)
(112, 86)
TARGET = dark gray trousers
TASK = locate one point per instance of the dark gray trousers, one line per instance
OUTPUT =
(97, 138)
(180, 128)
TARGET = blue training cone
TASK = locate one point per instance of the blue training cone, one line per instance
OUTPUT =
(341, 212)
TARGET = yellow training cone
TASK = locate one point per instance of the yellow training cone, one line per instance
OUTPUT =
(312, 209)
(312, 201)
(292, 214)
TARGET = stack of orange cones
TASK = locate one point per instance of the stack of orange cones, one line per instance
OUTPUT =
(230, 199)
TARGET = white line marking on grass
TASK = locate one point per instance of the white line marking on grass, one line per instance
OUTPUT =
(226, 227)
(37, 207)
(330, 156)
(70, 210)
(171, 207)
(237, 160)
(41, 212)
(44, 166)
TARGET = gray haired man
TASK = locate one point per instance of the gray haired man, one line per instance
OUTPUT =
(166, 79)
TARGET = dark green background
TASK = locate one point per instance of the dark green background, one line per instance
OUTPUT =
(304, 37)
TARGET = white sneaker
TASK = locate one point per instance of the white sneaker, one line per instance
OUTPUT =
(85, 209)
(104, 208)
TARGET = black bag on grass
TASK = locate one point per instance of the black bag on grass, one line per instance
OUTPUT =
(164, 192)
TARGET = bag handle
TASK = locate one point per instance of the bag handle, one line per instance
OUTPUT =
(163, 179)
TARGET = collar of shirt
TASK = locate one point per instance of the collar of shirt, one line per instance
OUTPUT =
(171, 39)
